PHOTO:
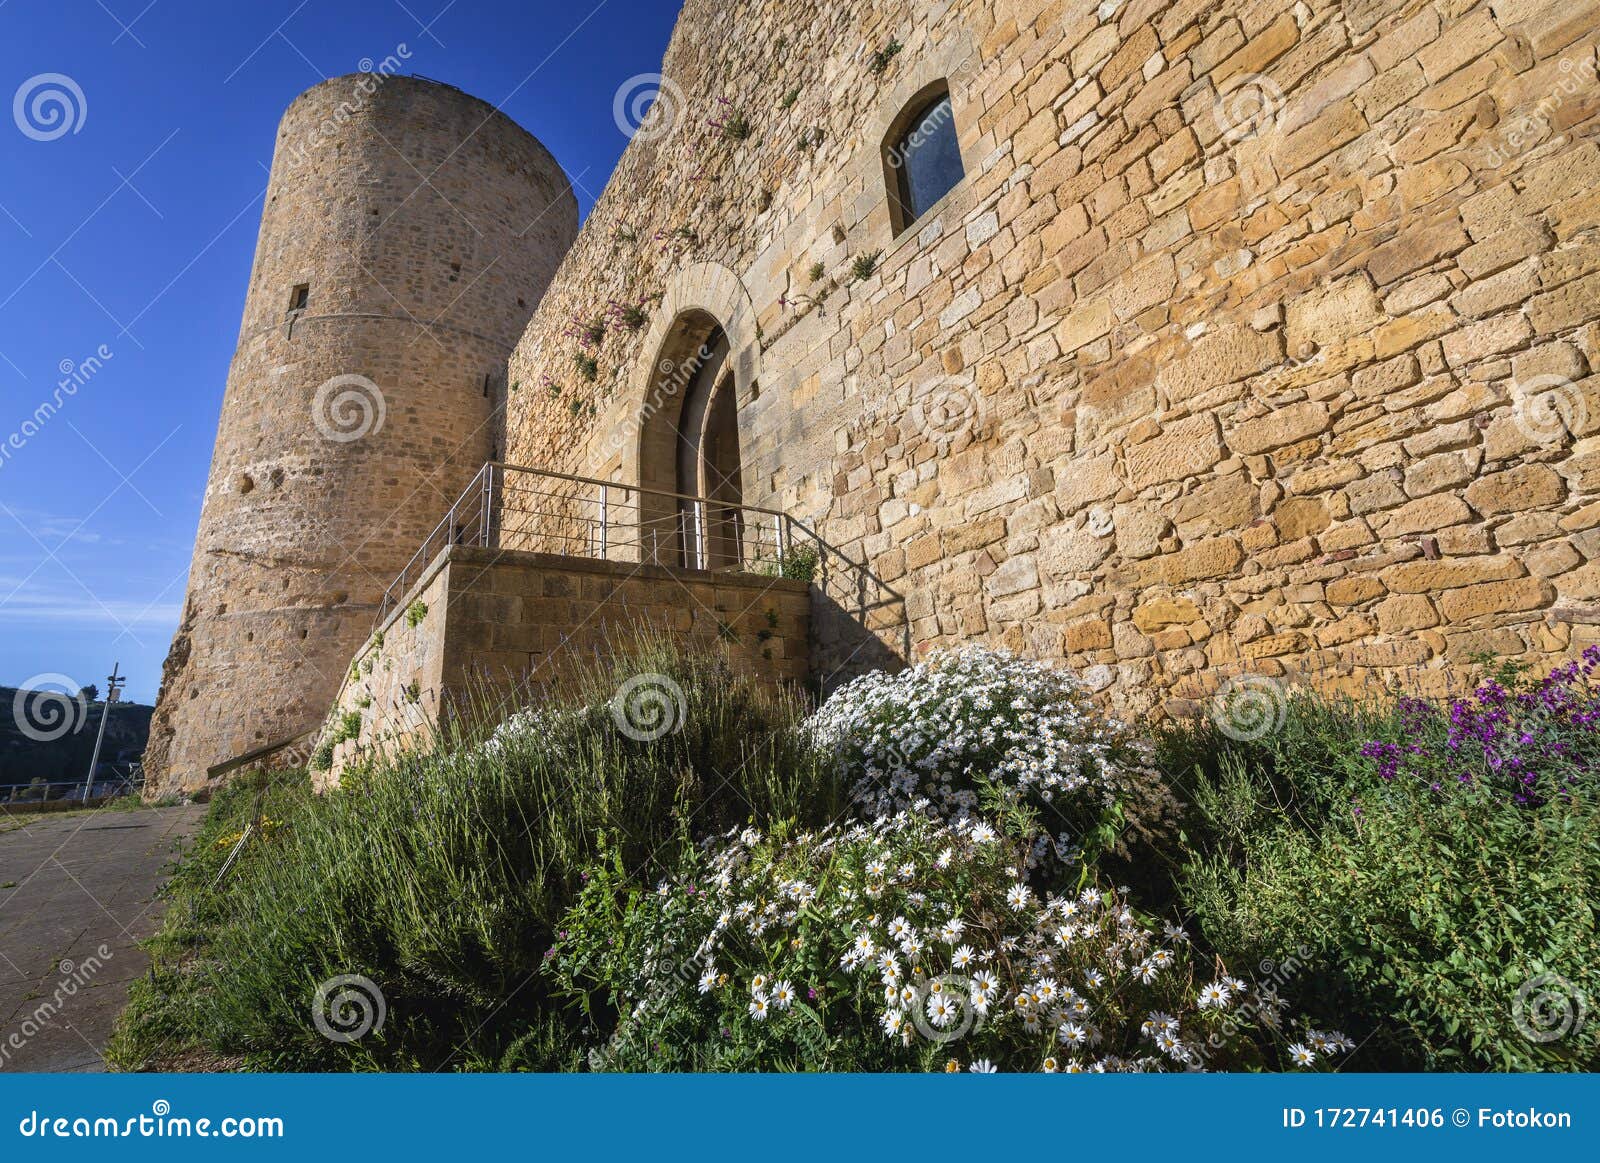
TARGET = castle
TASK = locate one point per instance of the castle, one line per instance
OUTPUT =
(1171, 340)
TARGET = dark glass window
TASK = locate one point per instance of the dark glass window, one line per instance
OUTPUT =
(925, 159)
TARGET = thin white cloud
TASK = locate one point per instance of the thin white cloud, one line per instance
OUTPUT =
(34, 608)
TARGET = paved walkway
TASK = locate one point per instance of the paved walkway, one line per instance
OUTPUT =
(70, 888)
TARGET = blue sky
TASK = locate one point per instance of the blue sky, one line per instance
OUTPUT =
(125, 246)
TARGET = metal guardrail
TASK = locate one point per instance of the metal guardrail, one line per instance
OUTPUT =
(523, 509)
(40, 793)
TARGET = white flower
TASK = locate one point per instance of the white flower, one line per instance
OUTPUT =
(962, 957)
(708, 979)
(1051, 1066)
(982, 1066)
(758, 1008)
(942, 1010)
(950, 931)
(782, 994)
(758, 985)
(1073, 1034)
(1214, 996)
(900, 929)
(893, 1022)
(1301, 1055)
(1019, 897)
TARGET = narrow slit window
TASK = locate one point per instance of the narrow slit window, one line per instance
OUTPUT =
(299, 297)
(923, 158)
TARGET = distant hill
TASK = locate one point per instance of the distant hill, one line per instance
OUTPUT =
(24, 759)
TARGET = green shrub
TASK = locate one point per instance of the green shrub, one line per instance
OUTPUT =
(416, 612)
(438, 876)
(905, 944)
(1430, 920)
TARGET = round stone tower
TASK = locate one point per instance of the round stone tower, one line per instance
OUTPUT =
(409, 231)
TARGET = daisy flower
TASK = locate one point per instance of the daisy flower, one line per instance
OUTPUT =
(982, 1066)
(1051, 1066)
(782, 994)
(1072, 1034)
(962, 957)
(1214, 996)
(708, 980)
(942, 1010)
(1302, 1055)
(1018, 897)
(758, 1008)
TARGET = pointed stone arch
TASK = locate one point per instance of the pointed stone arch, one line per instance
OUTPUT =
(702, 359)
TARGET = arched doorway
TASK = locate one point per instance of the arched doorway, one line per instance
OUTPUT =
(689, 452)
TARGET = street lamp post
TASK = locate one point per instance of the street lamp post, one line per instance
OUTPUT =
(114, 684)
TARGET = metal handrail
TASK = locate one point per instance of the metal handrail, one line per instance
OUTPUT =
(587, 522)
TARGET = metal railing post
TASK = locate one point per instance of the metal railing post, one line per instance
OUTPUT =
(780, 530)
(605, 522)
(488, 505)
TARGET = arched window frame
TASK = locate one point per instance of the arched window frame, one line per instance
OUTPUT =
(912, 111)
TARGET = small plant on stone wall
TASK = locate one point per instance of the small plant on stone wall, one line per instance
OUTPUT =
(624, 234)
(810, 138)
(764, 202)
(864, 265)
(364, 702)
(818, 270)
(416, 612)
(733, 124)
(628, 316)
(414, 692)
(549, 385)
(589, 332)
(588, 366)
(879, 61)
(368, 664)
(677, 242)
(789, 99)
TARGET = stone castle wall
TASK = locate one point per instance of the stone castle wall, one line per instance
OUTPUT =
(1162, 389)
(424, 226)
